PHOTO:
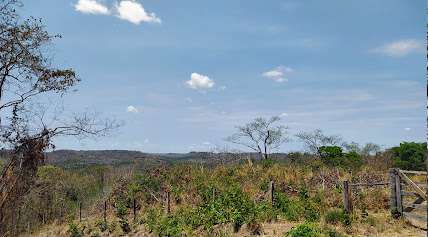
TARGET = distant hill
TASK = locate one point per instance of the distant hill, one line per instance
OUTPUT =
(79, 159)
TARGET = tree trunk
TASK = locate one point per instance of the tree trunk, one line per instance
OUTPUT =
(17, 178)
(266, 156)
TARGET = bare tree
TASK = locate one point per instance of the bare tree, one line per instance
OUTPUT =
(370, 149)
(316, 139)
(261, 135)
(27, 78)
(366, 150)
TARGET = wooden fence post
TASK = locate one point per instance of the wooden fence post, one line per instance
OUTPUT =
(393, 196)
(213, 194)
(105, 211)
(80, 211)
(346, 197)
(271, 191)
(398, 192)
(134, 206)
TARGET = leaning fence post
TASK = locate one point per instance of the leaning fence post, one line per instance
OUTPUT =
(346, 197)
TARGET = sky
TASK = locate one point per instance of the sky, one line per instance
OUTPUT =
(181, 75)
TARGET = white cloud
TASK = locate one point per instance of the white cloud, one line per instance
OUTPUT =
(146, 141)
(132, 109)
(134, 12)
(199, 82)
(278, 74)
(407, 129)
(400, 48)
(283, 115)
(91, 7)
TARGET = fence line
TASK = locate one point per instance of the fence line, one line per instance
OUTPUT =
(414, 211)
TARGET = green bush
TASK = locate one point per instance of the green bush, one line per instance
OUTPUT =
(335, 216)
(331, 155)
(290, 209)
(169, 225)
(267, 163)
(332, 233)
(265, 212)
(305, 230)
(352, 160)
(121, 209)
(311, 212)
(151, 219)
(230, 206)
(410, 156)
(206, 192)
(75, 231)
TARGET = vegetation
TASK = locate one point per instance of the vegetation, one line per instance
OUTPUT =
(209, 199)
(28, 82)
(305, 230)
(336, 216)
(410, 156)
(197, 194)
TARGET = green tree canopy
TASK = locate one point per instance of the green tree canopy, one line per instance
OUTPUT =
(334, 156)
(331, 155)
(410, 156)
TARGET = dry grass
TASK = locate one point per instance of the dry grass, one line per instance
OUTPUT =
(289, 179)
(376, 224)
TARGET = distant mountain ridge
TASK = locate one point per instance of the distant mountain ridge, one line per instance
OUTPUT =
(83, 158)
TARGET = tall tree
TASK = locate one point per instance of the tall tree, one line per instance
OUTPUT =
(27, 82)
(261, 135)
(316, 139)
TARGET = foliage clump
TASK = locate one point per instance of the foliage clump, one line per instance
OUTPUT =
(336, 216)
(294, 209)
(334, 156)
(305, 230)
(410, 156)
(75, 231)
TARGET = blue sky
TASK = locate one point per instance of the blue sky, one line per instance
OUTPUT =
(183, 74)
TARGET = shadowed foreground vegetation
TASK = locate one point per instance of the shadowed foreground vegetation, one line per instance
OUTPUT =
(220, 200)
